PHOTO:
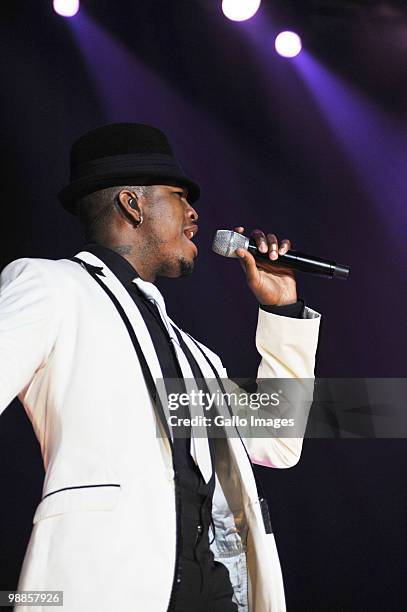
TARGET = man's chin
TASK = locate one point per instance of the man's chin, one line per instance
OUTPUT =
(186, 266)
(176, 269)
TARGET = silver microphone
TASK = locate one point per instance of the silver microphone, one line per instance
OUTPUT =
(226, 242)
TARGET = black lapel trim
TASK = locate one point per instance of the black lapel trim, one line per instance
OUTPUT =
(157, 402)
(95, 269)
(144, 365)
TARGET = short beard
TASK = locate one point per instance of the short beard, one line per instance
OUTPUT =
(184, 268)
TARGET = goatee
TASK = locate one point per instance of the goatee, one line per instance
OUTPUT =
(186, 266)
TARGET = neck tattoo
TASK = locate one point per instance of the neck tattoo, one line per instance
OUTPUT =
(125, 249)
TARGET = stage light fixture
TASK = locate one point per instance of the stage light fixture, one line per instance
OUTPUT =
(240, 10)
(66, 8)
(288, 44)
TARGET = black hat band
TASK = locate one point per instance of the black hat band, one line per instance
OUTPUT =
(155, 163)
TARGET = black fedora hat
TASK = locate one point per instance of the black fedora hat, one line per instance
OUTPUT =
(122, 154)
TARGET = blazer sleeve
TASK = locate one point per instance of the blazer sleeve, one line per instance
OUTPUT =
(288, 348)
(29, 317)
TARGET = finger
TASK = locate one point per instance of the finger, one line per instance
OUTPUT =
(239, 229)
(272, 243)
(250, 268)
(285, 245)
(260, 239)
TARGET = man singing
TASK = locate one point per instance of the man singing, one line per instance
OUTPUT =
(129, 519)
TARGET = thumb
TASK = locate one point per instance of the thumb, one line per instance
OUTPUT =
(249, 266)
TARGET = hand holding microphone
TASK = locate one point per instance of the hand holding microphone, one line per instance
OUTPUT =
(274, 288)
(269, 267)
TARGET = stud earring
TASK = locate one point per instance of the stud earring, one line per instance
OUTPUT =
(133, 204)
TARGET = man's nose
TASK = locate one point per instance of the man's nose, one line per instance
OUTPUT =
(192, 214)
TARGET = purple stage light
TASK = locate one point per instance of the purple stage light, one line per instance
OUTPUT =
(66, 8)
(240, 10)
(288, 44)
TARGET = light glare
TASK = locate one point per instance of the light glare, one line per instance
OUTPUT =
(240, 10)
(66, 8)
(288, 44)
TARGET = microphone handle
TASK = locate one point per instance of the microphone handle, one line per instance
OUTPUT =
(301, 262)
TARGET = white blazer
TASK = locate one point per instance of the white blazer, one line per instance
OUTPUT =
(105, 530)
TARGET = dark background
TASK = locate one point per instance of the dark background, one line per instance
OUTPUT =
(312, 149)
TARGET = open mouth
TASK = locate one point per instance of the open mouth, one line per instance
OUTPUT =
(190, 232)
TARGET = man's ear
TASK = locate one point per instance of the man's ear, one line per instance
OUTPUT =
(128, 205)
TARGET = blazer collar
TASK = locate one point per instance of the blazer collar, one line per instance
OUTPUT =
(122, 268)
(124, 271)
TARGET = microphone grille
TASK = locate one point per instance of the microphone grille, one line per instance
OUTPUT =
(226, 242)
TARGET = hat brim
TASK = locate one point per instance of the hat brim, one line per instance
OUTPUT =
(72, 193)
